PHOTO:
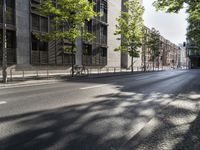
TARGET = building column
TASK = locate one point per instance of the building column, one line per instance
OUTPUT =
(79, 53)
(23, 32)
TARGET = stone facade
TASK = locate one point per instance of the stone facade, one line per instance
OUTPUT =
(114, 9)
(23, 32)
(31, 52)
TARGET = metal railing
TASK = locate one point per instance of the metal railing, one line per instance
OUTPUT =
(48, 72)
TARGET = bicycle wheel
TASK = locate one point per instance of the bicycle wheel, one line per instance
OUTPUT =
(84, 71)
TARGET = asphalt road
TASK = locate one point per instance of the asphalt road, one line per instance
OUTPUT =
(157, 110)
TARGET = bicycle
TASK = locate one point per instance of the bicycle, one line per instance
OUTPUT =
(80, 70)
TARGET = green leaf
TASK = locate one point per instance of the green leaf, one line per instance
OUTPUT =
(68, 17)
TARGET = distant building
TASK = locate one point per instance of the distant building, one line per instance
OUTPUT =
(169, 54)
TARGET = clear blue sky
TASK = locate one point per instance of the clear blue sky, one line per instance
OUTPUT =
(171, 26)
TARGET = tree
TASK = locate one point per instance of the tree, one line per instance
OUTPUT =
(194, 24)
(129, 28)
(171, 5)
(145, 46)
(68, 18)
(4, 48)
(193, 9)
(154, 44)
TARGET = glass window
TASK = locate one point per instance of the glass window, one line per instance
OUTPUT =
(35, 43)
(10, 16)
(10, 35)
(1, 13)
(10, 3)
(35, 22)
(103, 34)
(103, 52)
(43, 46)
(103, 10)
(38, 45)
(88, 26)
(35, 2)
(44, 24)
(1, 39)
(87, 49)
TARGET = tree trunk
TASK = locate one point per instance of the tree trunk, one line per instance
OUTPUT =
(153, 59)
(153, 63)
(145, 65)
(4, 63)
(132, 64)
(72, 51)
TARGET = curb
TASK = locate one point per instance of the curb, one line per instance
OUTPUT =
(57, 79)
(109, 75)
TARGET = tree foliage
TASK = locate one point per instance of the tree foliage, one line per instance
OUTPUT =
(153, 43)
(129, 28)
(67, 19)
(194, 23)
(192, 8)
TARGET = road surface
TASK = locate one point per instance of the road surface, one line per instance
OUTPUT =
(155, 110)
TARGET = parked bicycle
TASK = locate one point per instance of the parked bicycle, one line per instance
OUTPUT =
(80, 70)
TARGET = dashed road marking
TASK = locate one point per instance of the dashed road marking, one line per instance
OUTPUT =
(2, 102)
(92, 87)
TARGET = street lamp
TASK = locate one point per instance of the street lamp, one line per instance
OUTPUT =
(4, 63)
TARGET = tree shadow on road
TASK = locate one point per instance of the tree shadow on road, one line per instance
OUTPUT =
(95, 126)
(127, 120)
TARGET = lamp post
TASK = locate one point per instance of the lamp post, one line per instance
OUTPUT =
(4, 63)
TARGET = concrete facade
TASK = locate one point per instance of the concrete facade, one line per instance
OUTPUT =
(23, 32)
(26, 55)
(79, 52)
(114, 11)
(24, 11)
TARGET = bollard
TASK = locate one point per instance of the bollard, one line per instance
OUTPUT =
(11, 74)
(23, 74)
(90, 72)
(47, 73)
(37, 73)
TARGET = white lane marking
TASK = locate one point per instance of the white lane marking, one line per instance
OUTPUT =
(92, 87)
(2, 102)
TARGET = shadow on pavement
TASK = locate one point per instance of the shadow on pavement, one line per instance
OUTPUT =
(112, 123)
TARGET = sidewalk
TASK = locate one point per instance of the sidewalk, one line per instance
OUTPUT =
(61, 78)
